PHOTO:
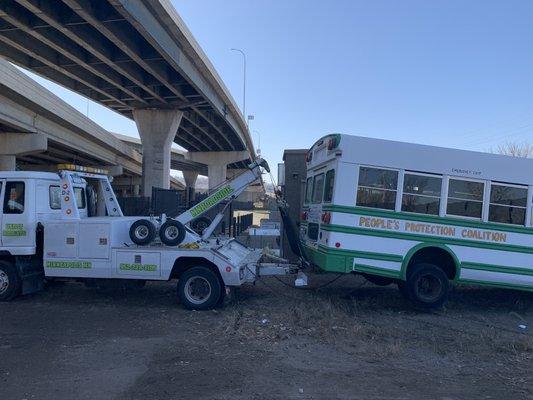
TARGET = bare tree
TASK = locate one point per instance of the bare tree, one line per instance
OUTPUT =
(514, 149)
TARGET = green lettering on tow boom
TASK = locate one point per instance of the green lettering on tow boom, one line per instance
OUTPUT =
(211, 201)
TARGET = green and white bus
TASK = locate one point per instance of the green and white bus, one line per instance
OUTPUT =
(418, 215)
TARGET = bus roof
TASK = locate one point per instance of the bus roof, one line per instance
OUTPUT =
(430, 159)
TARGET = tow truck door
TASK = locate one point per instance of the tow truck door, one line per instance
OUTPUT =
(2, 185)
(17, 210)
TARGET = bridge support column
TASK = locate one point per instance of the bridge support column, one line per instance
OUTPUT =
(217, 163)
(18, 144)
(157, 129)
(8, 163)
(190, 182)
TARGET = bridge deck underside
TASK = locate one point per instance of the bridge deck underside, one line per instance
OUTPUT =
(90, 47)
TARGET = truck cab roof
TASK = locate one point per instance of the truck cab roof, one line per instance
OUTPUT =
(28, 175)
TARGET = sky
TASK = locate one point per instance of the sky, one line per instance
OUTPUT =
(442, 72)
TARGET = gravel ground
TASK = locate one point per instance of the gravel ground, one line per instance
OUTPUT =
(348, 340)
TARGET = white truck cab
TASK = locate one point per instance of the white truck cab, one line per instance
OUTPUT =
(70, 225)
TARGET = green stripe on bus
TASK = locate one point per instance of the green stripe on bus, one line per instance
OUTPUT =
(425, 238)
(369, 269)
(427, 218)
(495, 284)
(361, 254)
(497, 268)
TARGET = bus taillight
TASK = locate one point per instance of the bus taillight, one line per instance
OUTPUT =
(304, 216)
(326, 217)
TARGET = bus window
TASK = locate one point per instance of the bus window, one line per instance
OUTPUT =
(421, 194)
(318, 188)
(308, 190)
(328, 190)
(465, 198)
(507, 204)
(377, 188)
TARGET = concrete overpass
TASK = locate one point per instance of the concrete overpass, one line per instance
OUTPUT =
(38, 130)
(139, 59)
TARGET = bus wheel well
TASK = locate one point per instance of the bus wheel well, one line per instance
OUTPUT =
(437, 256)
(182, 264)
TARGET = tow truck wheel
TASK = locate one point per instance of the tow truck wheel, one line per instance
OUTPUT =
(172, 232)
(199, 288)
(142, 232)
(9, 281)
(200, 224)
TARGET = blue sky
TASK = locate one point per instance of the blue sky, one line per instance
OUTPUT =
(451, 73)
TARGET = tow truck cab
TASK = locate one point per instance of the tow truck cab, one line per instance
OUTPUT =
(27, 201)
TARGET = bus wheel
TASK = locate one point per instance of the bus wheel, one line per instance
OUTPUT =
(427, 285)
(142, 232)
(378, 280)
(10, 282)
(199, 288)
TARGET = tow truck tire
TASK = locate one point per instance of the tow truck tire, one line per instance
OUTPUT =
(10, 282)
(199, 288)
(142, 232)
(200, 224)
(172, 232)
(427, 286)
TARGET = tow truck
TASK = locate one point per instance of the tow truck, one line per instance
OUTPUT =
(70, 225)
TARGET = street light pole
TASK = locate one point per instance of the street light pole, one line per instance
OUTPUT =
(244, 84)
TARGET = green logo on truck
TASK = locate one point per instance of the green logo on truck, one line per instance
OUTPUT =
(69, 264)
(14, 230)
(211, 201)
(138, 267)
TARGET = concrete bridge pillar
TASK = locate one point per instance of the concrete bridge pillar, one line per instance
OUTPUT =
(217, 163)
(190, 182)
(19, 144)
(8, 163)
(157, 129)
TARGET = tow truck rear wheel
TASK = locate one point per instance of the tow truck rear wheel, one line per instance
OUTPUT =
(142, 232)
(199, 288)
(172, 232)
(10, 282)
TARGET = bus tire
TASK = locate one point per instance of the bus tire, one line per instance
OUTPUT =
(199, 288)
(142, 232)
(172, 232)
(378, 280)
(10, 282)
(427, 285)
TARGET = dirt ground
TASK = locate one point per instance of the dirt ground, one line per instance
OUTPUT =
(349, 340)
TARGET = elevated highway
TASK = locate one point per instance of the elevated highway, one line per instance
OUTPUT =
(38, 130)
(139, 59)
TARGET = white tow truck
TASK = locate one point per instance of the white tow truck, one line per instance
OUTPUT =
(70, 225)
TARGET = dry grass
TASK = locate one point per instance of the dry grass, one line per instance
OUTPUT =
(377, 322)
